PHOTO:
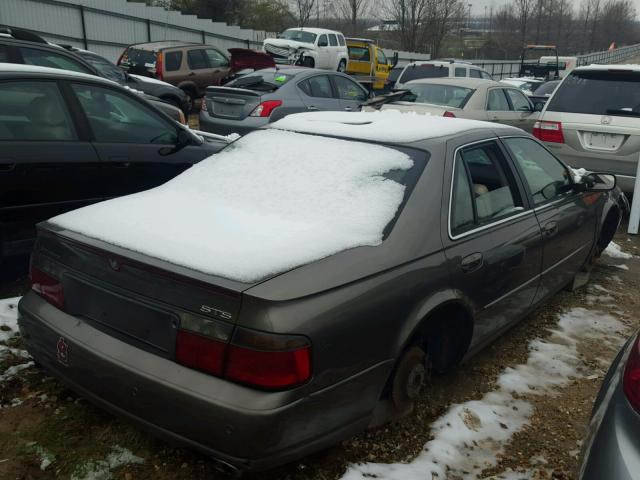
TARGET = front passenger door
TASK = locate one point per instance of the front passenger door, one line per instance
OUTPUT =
(351, 94)
(567, 218)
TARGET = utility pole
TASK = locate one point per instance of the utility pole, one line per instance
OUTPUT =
(317, 13)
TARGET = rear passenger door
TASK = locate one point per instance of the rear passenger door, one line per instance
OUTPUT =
(133, 141)
(492, 240)
(317, 93)
(47, 166)
(567, 218)
(200, 72)
(523, 107)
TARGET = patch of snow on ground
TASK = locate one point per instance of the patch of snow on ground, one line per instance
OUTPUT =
(591, 299)
(621, 267)
(270, 202)
(613, 250)
(101, 469)
(15, 369)
(470, 436)
(8, 318)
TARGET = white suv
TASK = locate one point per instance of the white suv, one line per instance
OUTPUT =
(439, 69)
(593, 121)
(309, 47)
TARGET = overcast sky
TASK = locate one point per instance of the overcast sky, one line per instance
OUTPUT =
(478, 5)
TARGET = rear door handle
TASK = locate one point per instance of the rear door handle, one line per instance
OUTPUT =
(120, 161)
(7, 167)
(348, 109)
(312, 107)
(471, 262)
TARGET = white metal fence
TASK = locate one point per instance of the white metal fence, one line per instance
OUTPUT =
(108, 26)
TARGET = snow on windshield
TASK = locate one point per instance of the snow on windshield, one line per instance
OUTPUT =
(270, 202)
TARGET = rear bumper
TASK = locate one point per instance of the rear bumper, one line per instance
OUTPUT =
(226, 127)
(246, 428)
(612, 446)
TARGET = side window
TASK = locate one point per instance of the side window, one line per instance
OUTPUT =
(333, 41)
(485, 75)
(348, 89)
(4, 54)
(341, 40)
(382, 58)
(216, 59)
(474, 73)
(519, 101)
(546, 177)
(172, 61)
(44, 58)
(116, 118)
(490, 185)
(196, 59)
(318, 86)
(322, 41)
(497, 101)
(461, 72)
(34, 111)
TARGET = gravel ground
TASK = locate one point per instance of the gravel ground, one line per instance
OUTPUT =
(50, 422)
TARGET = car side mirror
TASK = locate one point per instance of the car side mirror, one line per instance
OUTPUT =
(183, 139)
(599, 182)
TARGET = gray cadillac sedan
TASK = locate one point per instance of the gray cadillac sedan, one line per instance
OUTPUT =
(300, 285)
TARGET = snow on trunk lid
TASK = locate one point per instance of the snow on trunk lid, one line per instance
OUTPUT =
(270, 202)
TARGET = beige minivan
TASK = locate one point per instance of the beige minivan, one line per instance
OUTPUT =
(191, 67)
(593, 121)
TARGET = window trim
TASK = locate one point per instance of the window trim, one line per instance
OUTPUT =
(527, 207)
(525, 185)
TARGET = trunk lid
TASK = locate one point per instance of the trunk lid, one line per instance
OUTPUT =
(135, 298)
(231, 103)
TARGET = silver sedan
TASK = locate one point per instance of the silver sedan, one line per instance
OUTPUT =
(472, 98)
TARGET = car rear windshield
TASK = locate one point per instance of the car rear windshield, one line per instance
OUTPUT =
(359, 54)
(427, 70)
(299, 36)
(547, 88)
(445, 95)
(599, 93)
(136, 56)
(261, 81)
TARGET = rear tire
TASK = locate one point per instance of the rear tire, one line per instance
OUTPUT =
(342, 66)
(190, 102)
(308, 62)
(412, 372)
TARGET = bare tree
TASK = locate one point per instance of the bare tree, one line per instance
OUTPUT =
(304, 9)
(523, 7)
(352, 10)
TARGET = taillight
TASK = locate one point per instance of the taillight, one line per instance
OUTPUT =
(181, 118)
(631, 379)
(47, 286)
(548, 131)
(263, 360)
(159, 65)
(265, 108)
(203, 104)
(123, 57)
(448, 114)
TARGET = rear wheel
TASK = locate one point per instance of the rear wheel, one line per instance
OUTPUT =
(412, 372)
(342, 66)
(308, 62)
(175, 102)
(190, 100)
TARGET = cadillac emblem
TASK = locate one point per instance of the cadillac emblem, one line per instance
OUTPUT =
(62, 352)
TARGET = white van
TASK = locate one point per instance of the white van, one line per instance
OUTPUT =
(309, 47)
(440, 69)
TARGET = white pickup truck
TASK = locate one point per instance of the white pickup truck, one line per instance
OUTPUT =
(309, 47)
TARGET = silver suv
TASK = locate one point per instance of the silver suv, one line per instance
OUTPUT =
(440, 69)
(593, 120)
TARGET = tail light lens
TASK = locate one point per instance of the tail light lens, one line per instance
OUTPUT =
(183, 119)
(548, 131)
(159, 66)
(448, 114)
(203, 104)
(265, 108)
(631, 379)
(47, 286)
(263, 360)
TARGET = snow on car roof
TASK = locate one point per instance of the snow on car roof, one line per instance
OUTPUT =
(317, 31)
(633, 67)
(379, 126)
(270, 202)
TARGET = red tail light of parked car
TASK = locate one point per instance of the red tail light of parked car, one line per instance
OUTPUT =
(265, 108)
(631, 379)
(47, 286)
(548, 131)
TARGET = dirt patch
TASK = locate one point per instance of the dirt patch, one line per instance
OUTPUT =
(75, 432)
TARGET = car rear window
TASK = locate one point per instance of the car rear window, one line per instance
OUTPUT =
(599, 93)
(359, 54)
(547, 88)
(261, 81)
(427, 70)
(172, 61)
(136, 56)
(104, 67)
(445, 95)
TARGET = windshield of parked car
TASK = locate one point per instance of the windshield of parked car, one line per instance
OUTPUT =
(599, 93)
(104, 67)
(299, 36)
(261, 81)
(435, 94)
(427, 70)
(547, 88)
